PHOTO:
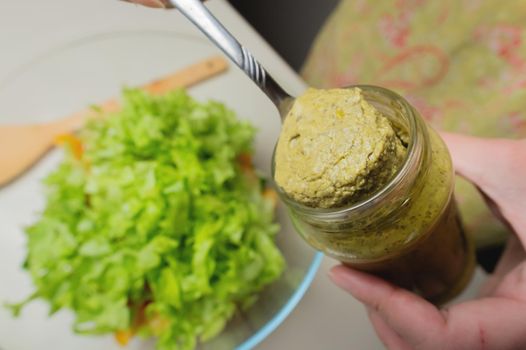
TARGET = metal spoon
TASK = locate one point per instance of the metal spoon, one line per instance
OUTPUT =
(199, 15)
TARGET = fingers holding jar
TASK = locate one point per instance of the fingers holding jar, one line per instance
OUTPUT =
(403, 320)
(498, 168)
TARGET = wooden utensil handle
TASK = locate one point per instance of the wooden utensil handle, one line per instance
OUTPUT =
(189, 76)
(186, 77)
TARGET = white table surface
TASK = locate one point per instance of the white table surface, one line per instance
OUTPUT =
(326, 318)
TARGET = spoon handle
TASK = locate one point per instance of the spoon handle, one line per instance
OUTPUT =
(199, 15)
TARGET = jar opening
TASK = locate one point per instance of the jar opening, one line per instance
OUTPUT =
(388, 103)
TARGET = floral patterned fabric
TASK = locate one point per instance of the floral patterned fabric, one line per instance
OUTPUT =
(461, 63)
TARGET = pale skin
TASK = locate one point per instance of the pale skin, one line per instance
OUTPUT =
(497, 318)
(152, 3)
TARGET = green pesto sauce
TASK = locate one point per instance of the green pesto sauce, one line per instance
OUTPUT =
(379, 239)
(335, 149)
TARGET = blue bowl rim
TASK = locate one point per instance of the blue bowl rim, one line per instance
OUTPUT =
(285, 311)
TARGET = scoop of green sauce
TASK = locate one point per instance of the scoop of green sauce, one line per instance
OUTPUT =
(335, 149)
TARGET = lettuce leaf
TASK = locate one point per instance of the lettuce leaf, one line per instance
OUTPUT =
(156, 228)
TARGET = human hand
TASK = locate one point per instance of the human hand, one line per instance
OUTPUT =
(151, 3)
(497, 319)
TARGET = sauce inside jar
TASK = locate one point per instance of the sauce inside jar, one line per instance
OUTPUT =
(370, 184)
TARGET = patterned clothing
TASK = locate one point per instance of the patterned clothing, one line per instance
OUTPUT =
(461, 63)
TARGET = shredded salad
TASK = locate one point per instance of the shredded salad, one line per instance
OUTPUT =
(156, 223)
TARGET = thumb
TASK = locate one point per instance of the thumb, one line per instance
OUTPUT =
(498, 168)
(405, 320)
(412, 318)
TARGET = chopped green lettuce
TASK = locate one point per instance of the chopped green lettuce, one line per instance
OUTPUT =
(156, 227)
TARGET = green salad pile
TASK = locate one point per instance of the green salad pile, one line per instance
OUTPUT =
(154, 223)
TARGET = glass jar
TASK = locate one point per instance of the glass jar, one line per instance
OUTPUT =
(409, 231)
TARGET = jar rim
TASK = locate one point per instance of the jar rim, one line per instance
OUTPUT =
(386, 190)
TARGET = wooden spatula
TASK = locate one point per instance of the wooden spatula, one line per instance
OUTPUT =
(21, 146)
